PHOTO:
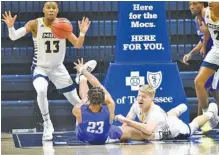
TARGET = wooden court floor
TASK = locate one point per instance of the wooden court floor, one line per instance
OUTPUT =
(201, 146)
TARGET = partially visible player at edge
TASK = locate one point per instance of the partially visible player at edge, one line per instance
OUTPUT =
(211, 62)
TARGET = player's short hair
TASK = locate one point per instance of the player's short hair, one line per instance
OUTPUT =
(96, 96)
(148, 89)
(204, 3)
(50, 2)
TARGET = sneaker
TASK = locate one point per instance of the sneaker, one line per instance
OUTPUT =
(109, 140)
(47, 130)
(48, 148)
(90, 65)
(215, 119)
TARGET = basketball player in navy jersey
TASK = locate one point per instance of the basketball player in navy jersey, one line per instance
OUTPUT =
(49, 53)
(95, 115)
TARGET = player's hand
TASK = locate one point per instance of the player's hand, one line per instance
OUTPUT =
(186, 58)
(79, 66)
(120, 118)
(203, 51)
(8, 19)
(84, 24)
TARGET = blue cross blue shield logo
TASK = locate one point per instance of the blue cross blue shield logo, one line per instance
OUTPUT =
(154, 79)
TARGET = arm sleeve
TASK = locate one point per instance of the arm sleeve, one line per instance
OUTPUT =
(16, 34)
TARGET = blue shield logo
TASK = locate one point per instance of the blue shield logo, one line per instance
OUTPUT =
(154, 79)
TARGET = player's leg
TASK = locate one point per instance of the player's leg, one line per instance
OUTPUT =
(174, 128)
(215, 94)
(132, 133)
(64, 84)
(211, 115)
(40, 83)
(178, 110)
(200, 80)
(209, 66)
(215, 87)
(125, 133)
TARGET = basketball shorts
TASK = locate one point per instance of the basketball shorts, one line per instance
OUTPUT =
(59, 76)
(177, 129)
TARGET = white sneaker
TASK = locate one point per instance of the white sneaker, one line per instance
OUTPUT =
(215, 119)
(48, 148)
(47, 130)
(90, 65)
(109, 140)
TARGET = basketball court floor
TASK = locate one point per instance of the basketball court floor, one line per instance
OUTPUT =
(65, 143)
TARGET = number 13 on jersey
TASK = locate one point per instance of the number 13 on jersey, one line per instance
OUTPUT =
(52, 46)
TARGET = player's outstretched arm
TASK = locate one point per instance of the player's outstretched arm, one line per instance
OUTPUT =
(145, 128)
(91, 78)
(83, 26)
(95, 83)
(204, 30)
(16, 34)
(76, 111)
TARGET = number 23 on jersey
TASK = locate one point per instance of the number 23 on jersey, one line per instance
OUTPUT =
(95, 127)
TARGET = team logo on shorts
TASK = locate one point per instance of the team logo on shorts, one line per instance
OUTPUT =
(154, 79)
(70, 81)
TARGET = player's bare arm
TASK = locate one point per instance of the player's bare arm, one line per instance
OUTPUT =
(31, 26)
(95, 83)
(83, 26)
(145, 128)
(76, 111)
(206, 33)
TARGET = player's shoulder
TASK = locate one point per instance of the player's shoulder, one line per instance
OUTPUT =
(77, 109)
(32, 23)
(157, 108)
(33, 20)
(78, 106)
(204, 11)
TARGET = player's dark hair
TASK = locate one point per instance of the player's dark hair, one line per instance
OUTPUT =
(204, 3)
(96, 95)
(51, 1)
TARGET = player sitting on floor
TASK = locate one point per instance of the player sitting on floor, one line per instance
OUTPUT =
(95, 116)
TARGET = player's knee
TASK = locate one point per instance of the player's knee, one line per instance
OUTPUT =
(199, 82)
(72, 97)
(42, 92)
